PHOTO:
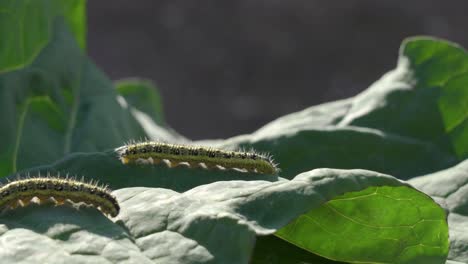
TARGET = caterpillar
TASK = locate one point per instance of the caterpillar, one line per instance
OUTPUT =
(58, 190)
(153, 152)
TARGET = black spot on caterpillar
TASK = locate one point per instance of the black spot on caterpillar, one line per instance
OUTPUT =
(196, 156)
(58, 190)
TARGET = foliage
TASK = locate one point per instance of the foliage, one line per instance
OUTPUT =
(60, 114)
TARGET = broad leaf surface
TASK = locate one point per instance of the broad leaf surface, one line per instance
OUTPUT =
(450, 189)
(406, 223)
(213, 223)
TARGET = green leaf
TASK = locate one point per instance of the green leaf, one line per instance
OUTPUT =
(75, 109)
(217, 222)
(26, 28)
(454, 110)
(406, 223)
(423, 98)
(411, 122)
(60, 114)
(273, 250)
(143, 96)
(450, 189)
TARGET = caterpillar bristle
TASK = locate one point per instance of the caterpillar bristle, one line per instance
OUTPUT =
(58, 189)
(173, 155)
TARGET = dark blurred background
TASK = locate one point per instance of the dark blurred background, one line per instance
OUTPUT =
(228, 67)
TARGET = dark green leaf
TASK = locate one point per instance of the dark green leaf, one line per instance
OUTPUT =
(61, 104)
(26, 27)
(273, 250)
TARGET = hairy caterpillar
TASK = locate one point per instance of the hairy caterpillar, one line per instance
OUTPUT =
(196, 156)
(58, 190)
